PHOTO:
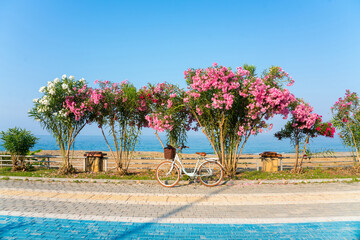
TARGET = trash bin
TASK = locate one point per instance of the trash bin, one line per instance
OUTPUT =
(94, 161)
(270, 161)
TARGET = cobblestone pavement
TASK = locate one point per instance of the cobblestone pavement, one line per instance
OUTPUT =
(60, 210)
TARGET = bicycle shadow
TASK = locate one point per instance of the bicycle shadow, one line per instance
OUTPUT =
(149, 224)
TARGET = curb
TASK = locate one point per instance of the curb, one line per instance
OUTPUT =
(229, 183)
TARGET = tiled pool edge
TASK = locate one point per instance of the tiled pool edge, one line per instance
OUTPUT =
(20, 227)
(180, 220)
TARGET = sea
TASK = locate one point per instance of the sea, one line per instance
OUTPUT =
(196, 143)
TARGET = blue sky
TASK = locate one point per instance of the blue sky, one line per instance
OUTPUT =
(317, 42)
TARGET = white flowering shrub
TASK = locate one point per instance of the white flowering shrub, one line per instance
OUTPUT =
(54, 115)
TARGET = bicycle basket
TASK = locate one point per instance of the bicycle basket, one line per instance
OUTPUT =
(169, 152)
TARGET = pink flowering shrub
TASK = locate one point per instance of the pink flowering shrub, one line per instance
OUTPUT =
(346, 118)
(230, 106)
(166, 111)
(113, 107)
(303, 125)
(303, 116)
(325, 129)
(76, 104)
(266, 98)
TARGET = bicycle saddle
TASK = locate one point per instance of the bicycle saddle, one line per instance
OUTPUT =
(201, 154)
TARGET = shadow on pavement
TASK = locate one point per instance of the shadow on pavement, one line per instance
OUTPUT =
(145, 225)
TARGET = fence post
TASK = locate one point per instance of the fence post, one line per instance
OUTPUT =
(84, 164)
(106, 165)
(257, 164)
(281, 164)
(48, 162)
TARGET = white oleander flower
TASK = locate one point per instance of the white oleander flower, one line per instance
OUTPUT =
(63, 76)
(43, 98)
(52, 91)
(35, 100)
(56, 80)
(42, 89)
(64, 86)
(71, 78)
(82, 80)
(55, 114)
(37, 119)
(60, 113)
(51, 84)
(44, 101)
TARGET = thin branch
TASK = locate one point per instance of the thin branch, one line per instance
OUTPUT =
(159, 139)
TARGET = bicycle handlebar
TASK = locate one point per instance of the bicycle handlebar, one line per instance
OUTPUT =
(182, 147)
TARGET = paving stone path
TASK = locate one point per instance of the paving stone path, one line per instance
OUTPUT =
(62, 210)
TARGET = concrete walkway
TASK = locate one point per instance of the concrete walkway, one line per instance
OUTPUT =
(234, 206)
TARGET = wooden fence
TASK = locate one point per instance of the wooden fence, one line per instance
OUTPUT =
(249, 162)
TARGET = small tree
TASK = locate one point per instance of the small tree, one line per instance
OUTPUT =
(346, 118)
(231, 106)
(167, 112)
(116, 108)
(302, 126)
(18, 142)
(62, 112)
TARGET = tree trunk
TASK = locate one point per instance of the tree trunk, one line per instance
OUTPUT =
(67, 167)
(14, 163)
(303, 153)
(355, 145)
(297, 156)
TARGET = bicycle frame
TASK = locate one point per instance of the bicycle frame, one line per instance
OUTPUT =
(179, 164)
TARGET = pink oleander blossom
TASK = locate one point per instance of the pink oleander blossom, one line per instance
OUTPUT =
(304, 118)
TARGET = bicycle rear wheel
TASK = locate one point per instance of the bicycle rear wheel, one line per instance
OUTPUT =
(167, 174)
(210, 173)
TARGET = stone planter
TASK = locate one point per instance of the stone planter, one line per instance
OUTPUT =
(270, 161)
(94, 161)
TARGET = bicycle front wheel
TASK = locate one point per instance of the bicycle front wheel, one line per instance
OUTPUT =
(210, 173)
(167, 174)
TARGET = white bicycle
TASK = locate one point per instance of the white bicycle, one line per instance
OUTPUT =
(208, 170)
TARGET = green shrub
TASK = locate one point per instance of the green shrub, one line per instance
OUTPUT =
(18, 142)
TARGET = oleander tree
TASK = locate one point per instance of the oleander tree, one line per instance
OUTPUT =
(230, 106)
(63, 112)
(116, 110)
(18, 143)
(346, 118)
(167, 112)
(303, 125)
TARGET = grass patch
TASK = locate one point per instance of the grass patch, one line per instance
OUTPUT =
(307, 173)
(318, 173)
(53, 173)
(6, 171)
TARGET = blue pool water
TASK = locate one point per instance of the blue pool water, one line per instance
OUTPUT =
(49, 228)
(197, 143)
